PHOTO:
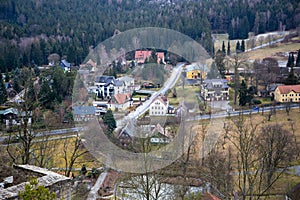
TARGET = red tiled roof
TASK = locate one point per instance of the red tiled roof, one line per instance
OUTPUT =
(142, 54)
(160, 54)
(121, 98)
(209, 196)
(285, 89)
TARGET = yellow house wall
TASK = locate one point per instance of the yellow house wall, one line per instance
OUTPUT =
(284, 98)
(191, 74)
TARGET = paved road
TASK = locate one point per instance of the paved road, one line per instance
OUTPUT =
(128, 120)
(52, 132)
(244, 112)
(93, 194)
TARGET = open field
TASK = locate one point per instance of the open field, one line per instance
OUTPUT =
(274, 51)
(270, 51)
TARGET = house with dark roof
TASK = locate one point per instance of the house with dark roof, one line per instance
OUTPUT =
(287, 93)
(83, 113)
(107, 86)
(13, 116)
(215, 90)
(65, 65)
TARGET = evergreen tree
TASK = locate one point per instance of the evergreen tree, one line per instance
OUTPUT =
(291, 79)
(35, 192)
(219, 59)
(292, 60)
(243, 94)
(238, 47)
(109, 121)
(213, 72)
(228, 48)
(223, 48)
(3, 92)
(289, 63)
(243, 46)
(298, 59)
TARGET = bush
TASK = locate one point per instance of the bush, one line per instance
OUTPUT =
(256, 101)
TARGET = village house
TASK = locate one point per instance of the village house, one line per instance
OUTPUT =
(160, 57)
(107, 86)
(120, 102)
(215, 90)
(128, 83)
(65, 65)
(287, 93)
(194, 71)
(141, 56)
(84, 113)
(159, 106)
(12, 116)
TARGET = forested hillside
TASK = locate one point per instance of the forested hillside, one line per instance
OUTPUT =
(31, 30)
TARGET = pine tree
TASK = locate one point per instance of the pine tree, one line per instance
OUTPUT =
(288, 64)
(243, 46)
(3, 92)
(292, 60)
(223, 48)
(243, 94)
(228, 48)
(219, 60)
(298, 59)
(238, 47)
(109, 121)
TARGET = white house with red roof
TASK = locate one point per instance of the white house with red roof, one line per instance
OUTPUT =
(159, 106)
(141, 56)
(121, 101)
(287, 93)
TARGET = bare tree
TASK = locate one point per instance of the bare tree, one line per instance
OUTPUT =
(71, 152)
(148, 185)
(28, 113)
(262, 154)
(277, 149)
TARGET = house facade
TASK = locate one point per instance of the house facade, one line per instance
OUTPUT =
(160, 57)
(120, 102)
(84, 113)
(215, 90)
(107, 86)
(159, 106)
(193, 71)
(141, 56)
(287, 93)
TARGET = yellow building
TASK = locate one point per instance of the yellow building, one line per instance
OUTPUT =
(287, 93)
(194, 72)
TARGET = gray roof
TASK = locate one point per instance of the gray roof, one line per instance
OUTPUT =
(84, 110)
(212, 83)
(126, 79)
(104, 79)
(65, 63)
(48, 178)
(119, 83)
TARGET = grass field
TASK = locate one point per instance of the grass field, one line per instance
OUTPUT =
(273, 51)
(270, 51)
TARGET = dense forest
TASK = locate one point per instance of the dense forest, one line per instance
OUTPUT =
(31, 30)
